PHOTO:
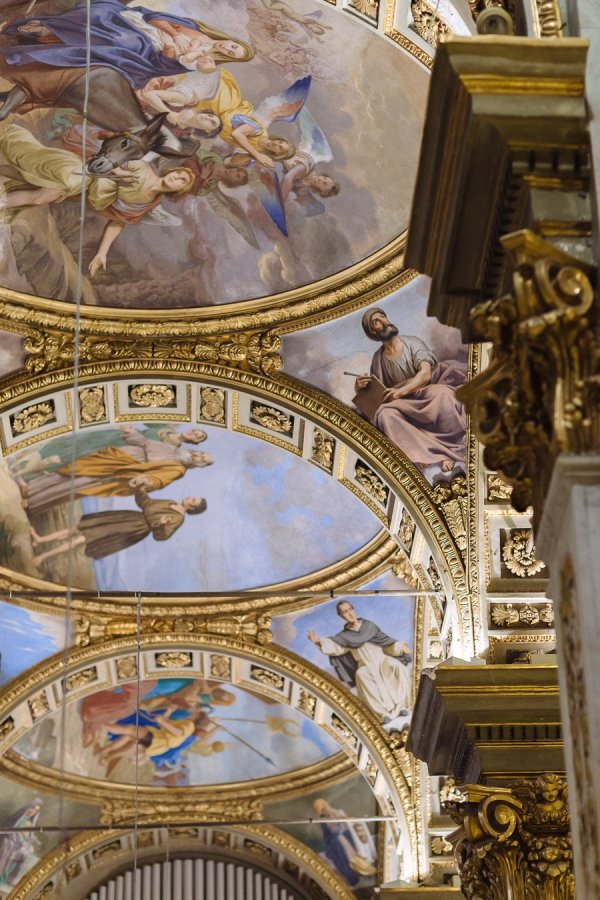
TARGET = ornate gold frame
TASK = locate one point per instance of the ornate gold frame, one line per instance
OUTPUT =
(302, 856)
(355, 728)
(345, 425)
(365, 282)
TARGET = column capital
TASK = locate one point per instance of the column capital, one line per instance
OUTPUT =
(514, 842)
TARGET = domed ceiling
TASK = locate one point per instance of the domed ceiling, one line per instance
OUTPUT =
(225, 558)
(293, 168)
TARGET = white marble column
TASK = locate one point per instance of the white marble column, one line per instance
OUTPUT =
(587, 18)
(569, 543)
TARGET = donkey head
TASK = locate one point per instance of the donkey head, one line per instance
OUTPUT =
(134, 144)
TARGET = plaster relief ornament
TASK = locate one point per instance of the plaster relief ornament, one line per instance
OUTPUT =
(323, 449)
(371, 482)
(518, 553)
(273, 419)
(212, 405)
(33, 417)
(91, 405)
(156, 395)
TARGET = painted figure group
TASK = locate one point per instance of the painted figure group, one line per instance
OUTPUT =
(174, 716)
(158, 84)
(123, 462)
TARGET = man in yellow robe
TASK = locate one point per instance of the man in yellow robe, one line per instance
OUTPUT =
(113, 472)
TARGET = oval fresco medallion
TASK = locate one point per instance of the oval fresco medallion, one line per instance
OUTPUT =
(234, 151)
(173, 508)
(185, 731)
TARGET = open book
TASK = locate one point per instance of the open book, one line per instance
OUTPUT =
(370, 398)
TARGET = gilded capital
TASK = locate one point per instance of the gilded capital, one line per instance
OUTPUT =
(540, 395)
(514, 842)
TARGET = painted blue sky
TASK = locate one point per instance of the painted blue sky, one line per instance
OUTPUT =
(26, 638)
(270, 517)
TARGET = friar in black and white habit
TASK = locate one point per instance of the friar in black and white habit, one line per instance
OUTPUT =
(365, 658)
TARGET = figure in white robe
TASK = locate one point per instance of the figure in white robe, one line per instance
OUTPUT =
(365, 658)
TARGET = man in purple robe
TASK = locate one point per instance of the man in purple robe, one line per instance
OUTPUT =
(419, 412)
(365, 658)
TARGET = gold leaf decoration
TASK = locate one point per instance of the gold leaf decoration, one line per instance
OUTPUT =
(368, 8)
(33, 417)
(159, 396)
(271, 418)
(212, 405)
(518, 553)
(371, 482)
(172, 659)
(323, 448)
(92, 408)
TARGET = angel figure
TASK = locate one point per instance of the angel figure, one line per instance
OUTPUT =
(301, 177)
(212, 174)
(186, 97)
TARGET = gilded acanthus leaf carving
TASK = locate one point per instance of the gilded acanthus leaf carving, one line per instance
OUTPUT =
(212, 405)
(156, 395)
(371, 482)
(92, 408)
(518, 553)
(452, 497)
(250, 628)
(368, 8)
(540, 395)
(49, 350)
(427, 23)
(32, 417)
(514, 841)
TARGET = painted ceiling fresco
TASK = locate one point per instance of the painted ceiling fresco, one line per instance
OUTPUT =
(173, 509)
(349, 359)
(21, 808)
(292, 570)
(184, 732)
(350, 847)
(279, 161)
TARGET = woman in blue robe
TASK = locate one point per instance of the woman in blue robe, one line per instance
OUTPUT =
(116, 41)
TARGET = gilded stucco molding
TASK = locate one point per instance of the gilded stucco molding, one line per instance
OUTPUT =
(97, 619)
(116, 847)
(342, 715)
(111, 797)
(366, 282)
(251, 351)
(345, 425)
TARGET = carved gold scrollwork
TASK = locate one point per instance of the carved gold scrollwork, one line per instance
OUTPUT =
(92, 408)
(250, 628)
(368, 8)
(452, 497)
(514, 842)
(541, 394)
(427, 23)
(48, 351)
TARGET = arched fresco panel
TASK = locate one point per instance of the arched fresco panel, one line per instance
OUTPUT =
(280, 135)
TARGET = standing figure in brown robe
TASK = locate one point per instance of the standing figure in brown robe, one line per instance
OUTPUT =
(110, 531)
